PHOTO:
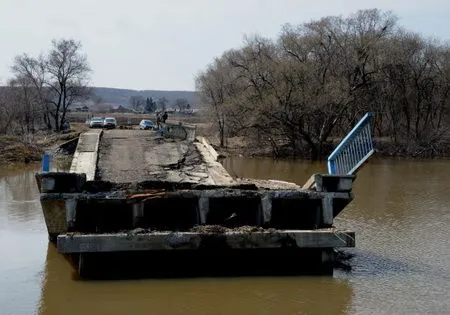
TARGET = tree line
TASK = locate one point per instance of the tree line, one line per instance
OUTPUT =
(301, 92)
(149, 105)
(43, 88)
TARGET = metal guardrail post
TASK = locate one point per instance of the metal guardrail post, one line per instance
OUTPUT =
(46, 162)
(353, 150)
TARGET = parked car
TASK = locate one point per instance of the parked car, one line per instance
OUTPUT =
(146, 124)
(110, 123)
(96, 122)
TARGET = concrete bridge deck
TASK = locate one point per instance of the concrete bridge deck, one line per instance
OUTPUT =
(141, 155)
(139, 190)
(86, 154)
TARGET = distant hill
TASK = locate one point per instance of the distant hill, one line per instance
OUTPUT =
(122, 96)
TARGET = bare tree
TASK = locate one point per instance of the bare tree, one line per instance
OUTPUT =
(68, 77)
(137, 103)
(59, 78)
(162, 103)
(211, 87)
(30, 76)
(150, 105)
(6, 112)
(313, 83)
(96, 99)
(181, 103)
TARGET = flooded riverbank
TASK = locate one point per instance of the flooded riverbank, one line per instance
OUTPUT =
(401, 263)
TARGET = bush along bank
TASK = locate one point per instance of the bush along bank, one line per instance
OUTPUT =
(15, 149)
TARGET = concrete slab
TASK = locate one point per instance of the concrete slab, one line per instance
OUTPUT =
(90, 243)
(142, 155)
(85, 156)
(216, 171)
(84, 162)
(88, 141)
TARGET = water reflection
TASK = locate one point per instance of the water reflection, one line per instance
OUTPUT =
(18, 198)
(401, 263)
(22, 241)
(261, 295)
(265, 168)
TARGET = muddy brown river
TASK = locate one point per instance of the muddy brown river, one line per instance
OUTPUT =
(401, 263)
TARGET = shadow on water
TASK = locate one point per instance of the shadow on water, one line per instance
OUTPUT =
(400, 264)
(200, 264)
(63, 292)
(366, 264)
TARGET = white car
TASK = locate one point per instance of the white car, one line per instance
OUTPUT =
(110, 123)
(146, 124)
(96, 122)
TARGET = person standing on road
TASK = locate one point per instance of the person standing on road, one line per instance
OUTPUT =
(158, 121)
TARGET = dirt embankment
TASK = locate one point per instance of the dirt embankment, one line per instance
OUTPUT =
(384, 147)
(15, 150)
(26, 149)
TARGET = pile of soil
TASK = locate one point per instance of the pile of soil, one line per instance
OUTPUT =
(216, 229)
(14, 150)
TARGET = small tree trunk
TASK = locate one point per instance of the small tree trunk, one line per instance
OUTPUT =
(314, 153)
(222, 137)
(47, 121)
(57, 123)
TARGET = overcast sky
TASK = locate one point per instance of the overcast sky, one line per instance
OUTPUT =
(163, 44)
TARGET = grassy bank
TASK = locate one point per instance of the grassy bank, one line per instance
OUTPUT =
(15, 149)
(25, 149)
(384, 147)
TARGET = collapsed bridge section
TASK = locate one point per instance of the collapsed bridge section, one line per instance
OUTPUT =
(156, 191)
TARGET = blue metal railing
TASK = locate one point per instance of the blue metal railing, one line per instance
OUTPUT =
(353, 150)
(46, 162)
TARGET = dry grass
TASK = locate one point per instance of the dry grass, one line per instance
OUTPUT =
(29, 148)
(14, 150)
(49, 140)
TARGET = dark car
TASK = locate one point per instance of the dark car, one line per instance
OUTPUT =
(146, 124)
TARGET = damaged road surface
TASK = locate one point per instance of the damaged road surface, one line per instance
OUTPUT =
(167, 192)
(142, 155)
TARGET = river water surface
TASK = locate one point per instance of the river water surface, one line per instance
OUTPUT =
(401, 263)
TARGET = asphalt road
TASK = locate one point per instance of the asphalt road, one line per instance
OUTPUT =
(139, 155)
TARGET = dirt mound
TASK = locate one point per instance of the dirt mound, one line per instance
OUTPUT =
(14, 150)
(217, 229)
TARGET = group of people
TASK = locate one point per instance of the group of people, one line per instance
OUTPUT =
(161, 119)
